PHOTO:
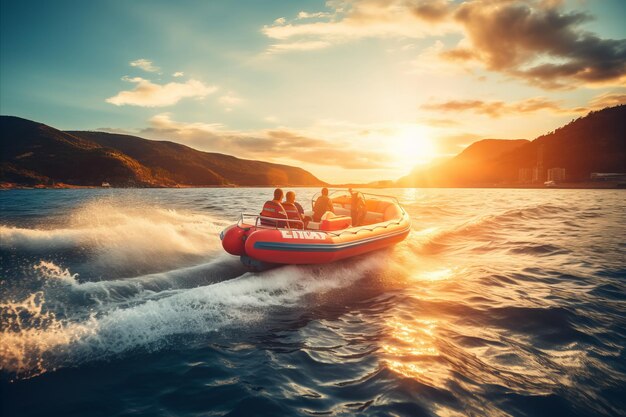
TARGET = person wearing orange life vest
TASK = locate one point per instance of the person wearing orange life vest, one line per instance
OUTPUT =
(274, 209)
(294, 211)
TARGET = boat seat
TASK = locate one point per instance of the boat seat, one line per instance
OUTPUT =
(335, 222)
(340, 211)
(372, 217)
(313, 225)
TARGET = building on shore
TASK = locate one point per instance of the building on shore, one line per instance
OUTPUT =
(530, 175)
(608, 176)
(525, 175)
(534, 175)
(557, 174)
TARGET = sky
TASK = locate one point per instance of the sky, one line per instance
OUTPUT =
(353, 91)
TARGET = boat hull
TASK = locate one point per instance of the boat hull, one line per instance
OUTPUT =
(290, 246)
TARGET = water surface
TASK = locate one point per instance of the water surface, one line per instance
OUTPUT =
(500, 302)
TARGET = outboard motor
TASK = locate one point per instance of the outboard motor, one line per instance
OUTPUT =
(234, 239)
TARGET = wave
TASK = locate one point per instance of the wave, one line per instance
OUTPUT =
(35, 339)
(118, 236)
(537, 249)
(439, 239)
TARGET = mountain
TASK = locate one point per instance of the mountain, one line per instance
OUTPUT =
(189, 166)
(466, 168)
(594, 143)
(33, 153)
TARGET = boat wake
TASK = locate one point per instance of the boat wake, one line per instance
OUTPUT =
(120, 239)
(183, 285)
(43, 331)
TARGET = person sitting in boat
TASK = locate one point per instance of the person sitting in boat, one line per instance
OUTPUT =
(322, 205)
(291, 197)
(274, 209)
(294, 210)
(358, 208)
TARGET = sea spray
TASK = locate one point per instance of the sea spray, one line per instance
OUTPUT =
(46, 342)
(120, 239)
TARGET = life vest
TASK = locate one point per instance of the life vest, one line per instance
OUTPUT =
(293, 214)
(275, 210)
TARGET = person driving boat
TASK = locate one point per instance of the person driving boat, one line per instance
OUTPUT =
(322, 205)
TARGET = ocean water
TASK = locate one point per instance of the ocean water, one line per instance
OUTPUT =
(499, 303)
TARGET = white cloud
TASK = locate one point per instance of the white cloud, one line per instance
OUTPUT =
(149, 94)
(306, 15)
(365, 19)
(178, 74)
(144, 64)
(297, 46)
(230, 99)
(163, 121)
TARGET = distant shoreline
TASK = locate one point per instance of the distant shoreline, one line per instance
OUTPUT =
(609, 185)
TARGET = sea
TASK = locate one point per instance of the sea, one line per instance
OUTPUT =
(501, 302)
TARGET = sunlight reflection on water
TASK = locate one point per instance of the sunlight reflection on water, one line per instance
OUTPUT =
(499, 302)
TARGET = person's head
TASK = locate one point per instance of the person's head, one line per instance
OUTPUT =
(324, 191)
(278, 194)
(290, 196)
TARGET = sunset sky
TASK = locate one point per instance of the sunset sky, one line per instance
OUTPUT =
(349, 90)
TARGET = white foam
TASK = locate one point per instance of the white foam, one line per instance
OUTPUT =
(51, 271)
(34, 347)
(119, 236)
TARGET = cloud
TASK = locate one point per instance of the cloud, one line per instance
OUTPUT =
(432, 11)
(533, 40)
(273, 144)
(144, 64)
(350, 20)
(230, 99)
(178, 74)
(437, 122)
(498, 108)
(609, 99)
(317, 15)
(430, 61)
(538, 42)
(297, 46)
(149, 94)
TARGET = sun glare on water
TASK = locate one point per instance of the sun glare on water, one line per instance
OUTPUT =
(410, 146)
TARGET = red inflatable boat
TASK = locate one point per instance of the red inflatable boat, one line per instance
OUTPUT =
(333, 238)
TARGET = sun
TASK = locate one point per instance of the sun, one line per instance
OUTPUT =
(411, 145)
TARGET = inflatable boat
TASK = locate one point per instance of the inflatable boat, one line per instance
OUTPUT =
(262, 246)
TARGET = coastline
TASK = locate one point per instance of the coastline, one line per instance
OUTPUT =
(589, 185)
